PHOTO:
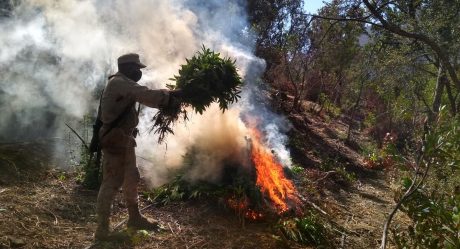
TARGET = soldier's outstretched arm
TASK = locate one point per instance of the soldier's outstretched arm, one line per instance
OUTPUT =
(149, 97)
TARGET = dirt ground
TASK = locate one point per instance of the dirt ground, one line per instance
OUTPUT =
(359, 209)
(56, 213)
(45, 208)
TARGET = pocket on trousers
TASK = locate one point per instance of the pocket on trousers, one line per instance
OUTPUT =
(116, 138)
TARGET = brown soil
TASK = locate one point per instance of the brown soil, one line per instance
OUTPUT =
(46, 208)
(55, 213)
(359, 206)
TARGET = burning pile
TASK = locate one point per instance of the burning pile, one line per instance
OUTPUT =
(253, 190)
(250, 176)
(241, 206)
(270, 176)
(275, 191)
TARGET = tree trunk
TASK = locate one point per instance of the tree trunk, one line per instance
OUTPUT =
(440, 84)
(350, 124)
(453, 107)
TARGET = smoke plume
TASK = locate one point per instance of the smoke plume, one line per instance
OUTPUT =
(56, 55)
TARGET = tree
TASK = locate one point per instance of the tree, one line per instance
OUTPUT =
(419, 41)
(282, 41)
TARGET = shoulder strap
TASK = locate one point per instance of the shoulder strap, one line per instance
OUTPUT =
(118, 119)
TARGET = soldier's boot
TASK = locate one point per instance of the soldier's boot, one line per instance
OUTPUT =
(139, 222)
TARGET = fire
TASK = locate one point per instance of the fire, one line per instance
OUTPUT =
(253, 215)
(270, 175)
(241, 205)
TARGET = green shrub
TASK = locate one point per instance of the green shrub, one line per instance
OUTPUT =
(333, 164)
(434, 207)
(436, 221)
(297, 169)
(329, 106)
(307, 230)
(91, 167)
(179, 189)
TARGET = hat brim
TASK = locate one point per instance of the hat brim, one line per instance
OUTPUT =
(141, 65)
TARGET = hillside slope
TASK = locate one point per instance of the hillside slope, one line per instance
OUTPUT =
(50, 210)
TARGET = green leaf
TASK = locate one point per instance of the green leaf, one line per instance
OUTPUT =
(206, 78)
(406, 182)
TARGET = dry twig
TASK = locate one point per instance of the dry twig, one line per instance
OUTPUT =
(326, 175)
(170, 228)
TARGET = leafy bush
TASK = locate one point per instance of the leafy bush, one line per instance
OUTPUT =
(386, 157)
(436, 221)
(297, 169)
(434, 206)
(307, 230)
(180, 189)
(333, 164)
(90, 171)
(329, 106)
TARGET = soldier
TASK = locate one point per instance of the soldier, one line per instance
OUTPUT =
(117, 140)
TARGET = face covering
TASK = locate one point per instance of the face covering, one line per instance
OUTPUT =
(135, 75)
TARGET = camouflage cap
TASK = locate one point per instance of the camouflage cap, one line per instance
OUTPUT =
(130, 58)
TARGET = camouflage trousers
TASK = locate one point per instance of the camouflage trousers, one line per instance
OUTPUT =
(119, 170)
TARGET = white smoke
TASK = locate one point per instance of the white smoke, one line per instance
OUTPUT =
(55, 55)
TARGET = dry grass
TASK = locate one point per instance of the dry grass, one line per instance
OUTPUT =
(55, 212)
(48, 213)
(46, 208)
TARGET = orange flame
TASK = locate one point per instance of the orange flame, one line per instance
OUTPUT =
(270, 175)
(241, 206)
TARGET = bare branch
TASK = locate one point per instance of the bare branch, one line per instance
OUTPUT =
(420, 37)
(361, 20)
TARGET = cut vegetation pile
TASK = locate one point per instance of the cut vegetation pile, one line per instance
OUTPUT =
(206, 78)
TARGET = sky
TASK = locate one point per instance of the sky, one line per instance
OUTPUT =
(313, 5)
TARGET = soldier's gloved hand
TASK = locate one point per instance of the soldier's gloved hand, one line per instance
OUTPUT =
(178, 93)
(184, 93)
(175, 99)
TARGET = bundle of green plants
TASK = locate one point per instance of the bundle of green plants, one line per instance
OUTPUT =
(204, 79)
